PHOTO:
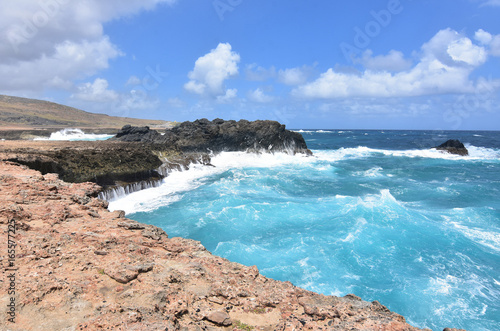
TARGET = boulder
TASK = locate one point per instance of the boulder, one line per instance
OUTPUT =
(453, 147)
(134, 133)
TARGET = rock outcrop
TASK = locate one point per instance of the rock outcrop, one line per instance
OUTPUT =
(78, 266)
(453, 147)
(138, 157)
(219, 136)
(105, 163)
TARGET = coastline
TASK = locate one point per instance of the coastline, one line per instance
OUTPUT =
(79, 265)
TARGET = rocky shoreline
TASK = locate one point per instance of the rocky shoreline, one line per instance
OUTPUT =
(75, 265)
(140, 157)
(79, 266)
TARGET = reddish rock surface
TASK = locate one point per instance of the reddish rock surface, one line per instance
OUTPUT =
(81, 267)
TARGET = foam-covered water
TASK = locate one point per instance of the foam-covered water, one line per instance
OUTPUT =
(70, 134)
(373, 213)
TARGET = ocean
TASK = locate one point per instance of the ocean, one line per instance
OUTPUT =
(374, 213)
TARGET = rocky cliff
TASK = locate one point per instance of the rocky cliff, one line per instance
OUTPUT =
(76, 266)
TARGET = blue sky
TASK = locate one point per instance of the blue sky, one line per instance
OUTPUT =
(393, 64)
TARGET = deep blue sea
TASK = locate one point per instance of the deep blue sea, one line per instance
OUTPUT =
(374, 213)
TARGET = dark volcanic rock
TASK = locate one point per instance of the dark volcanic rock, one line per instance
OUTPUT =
(134, 133)
(219, 136)
(105, 163)
(453, 147)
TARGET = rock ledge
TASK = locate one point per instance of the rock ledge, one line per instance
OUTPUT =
(83, 267)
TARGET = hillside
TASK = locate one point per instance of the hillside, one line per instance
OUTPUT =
(23, 113)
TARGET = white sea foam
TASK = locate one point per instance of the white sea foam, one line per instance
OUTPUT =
(314, 131)
(70, 134)
(178, 182)
(489, 239)
(475, 153)
(373, 172)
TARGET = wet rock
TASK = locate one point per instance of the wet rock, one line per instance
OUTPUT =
(453, 147)
(219, 135)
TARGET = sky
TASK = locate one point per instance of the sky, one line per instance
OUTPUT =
(323, 64)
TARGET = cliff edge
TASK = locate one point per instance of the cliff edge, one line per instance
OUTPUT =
(74, 265)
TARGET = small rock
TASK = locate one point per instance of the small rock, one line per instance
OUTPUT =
(118, 214)
(219, 318)
(131, 225)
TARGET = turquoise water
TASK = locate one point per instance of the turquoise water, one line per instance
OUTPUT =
(374, 213)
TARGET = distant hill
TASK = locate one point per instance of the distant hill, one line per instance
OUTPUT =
(23, 113)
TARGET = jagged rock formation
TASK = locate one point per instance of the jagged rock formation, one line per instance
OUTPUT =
(453, 147)
(80, 267)
(219, 136)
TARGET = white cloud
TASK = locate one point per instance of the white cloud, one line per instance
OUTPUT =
(69, 61)
(212, 70)
(445, 65)
(259, 96)
(483, 37)
(51, 43)
(394, 61)
(294, 76)
(462, 50)
(134, 80)
(96, 92)
(487, 39)
(228, 96)
(98, 96)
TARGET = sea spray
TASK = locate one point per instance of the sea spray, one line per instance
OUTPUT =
(380, 215)
(70, 134)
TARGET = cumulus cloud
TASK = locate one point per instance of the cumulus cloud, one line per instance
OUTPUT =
(69, 61)
(483, 37)
(228, 96)
(445, 65)
(96, 91)
(50, 43)
(394, 61)
(294, 76)
(259, 96)
(487, 39)
(98, 96)
(212, 70)
(462, 50)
